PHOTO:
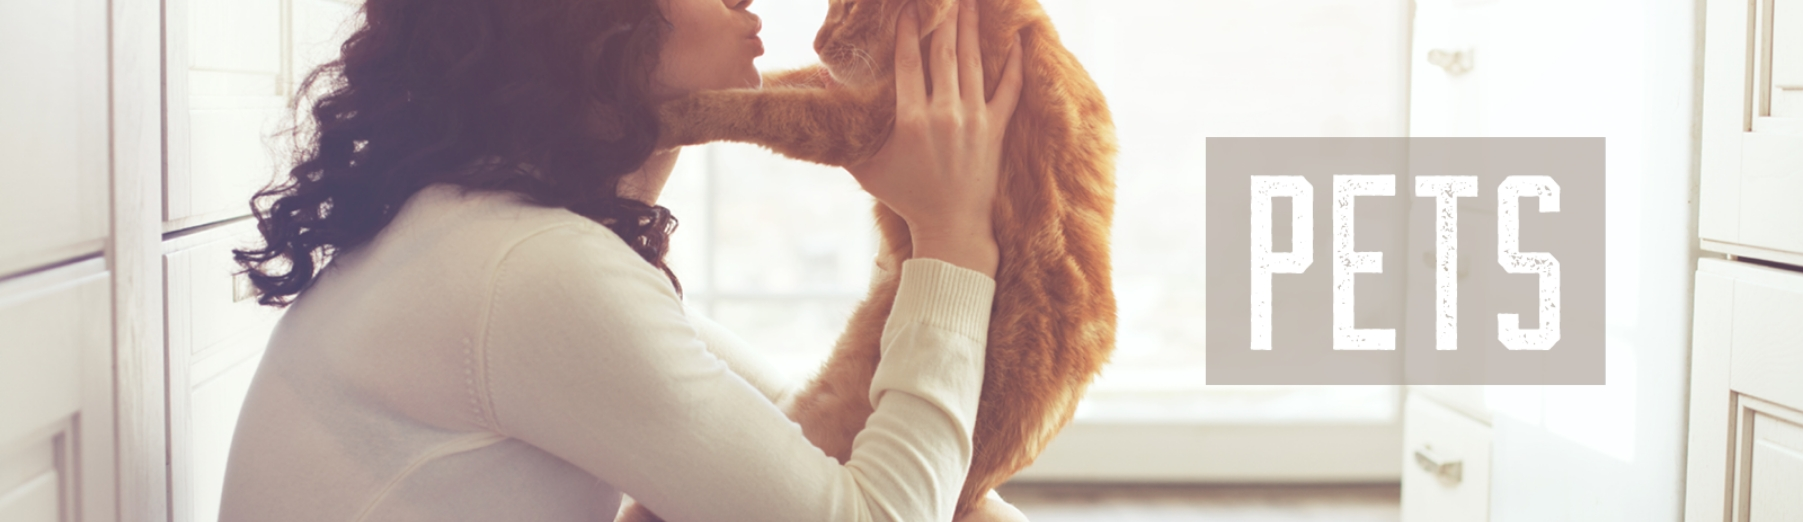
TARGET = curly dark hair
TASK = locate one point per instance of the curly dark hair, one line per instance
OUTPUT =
(545, 98)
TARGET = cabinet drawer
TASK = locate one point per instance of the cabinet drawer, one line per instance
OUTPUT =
(231, 153)
(1446, 465)
(53, 131)
(228, 88)
(1767, 222)
(1763, 333)
(235, 35)
(1752, 148)
(214, 320)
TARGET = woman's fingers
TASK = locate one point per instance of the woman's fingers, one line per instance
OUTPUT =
(910, 80)
(970, 55)
(945, 59)
(1007, 93)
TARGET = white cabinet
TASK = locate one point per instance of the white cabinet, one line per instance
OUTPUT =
(53, 132)
(226, 96)
(1446, 464)
(1753, 130)
(233, 68)
(1772, 465)
(1745, 455)
(1746, 422)
(55, 331)
(216, 334)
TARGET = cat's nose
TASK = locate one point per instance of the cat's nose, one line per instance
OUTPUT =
(820, 41)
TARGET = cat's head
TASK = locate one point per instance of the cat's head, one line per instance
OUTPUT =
(857, 42)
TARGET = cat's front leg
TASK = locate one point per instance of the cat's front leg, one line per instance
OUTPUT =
(810, 77)
(836, 127)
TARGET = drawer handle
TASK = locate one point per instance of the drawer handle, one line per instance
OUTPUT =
(1454, 62)
(1448, 471)
(242, 289)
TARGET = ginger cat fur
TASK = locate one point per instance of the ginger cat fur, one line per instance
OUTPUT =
(1053, 323)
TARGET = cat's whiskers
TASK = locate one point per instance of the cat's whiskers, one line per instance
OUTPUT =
(864, 57)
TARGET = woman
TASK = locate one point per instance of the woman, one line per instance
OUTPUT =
(496, 336)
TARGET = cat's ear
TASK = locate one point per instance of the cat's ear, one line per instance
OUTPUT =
(932, 12)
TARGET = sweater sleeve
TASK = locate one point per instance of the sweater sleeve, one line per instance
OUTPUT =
(589, 356)
(743, 359)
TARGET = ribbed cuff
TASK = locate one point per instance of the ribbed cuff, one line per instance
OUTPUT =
(945, 296)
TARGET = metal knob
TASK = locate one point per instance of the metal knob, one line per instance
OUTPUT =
(1448, 471)
(1455, 62)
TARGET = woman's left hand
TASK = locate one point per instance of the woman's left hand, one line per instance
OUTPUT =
(991, 508)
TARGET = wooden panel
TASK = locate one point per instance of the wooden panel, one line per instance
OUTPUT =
(1787, 59)
(1767, 354)
(49, 322)
(1724, 119)
(217, 332)
(52, 132)
(1433, 434)
(235, 35)
(213, 407)
(123, 447)
(53, 325)
(1709, 463)
(232, 154)
(33, 477)
(1753, 128)
(35, 501)
(211, 309)
(1771, 184)
(1777, 470)
(227, 94)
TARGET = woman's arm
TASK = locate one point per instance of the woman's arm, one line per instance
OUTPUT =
(589, 356)
(744, 359)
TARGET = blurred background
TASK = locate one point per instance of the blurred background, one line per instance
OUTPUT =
(780, 251)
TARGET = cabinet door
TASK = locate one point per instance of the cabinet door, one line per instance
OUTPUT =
(53, 132)
(55, 393)
(226, 99)
(234, 67)
(1746, 421)
(1753, 129)
(1446, 464)
(216, 334)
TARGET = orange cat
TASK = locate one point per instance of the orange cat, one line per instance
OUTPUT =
(1052, 327)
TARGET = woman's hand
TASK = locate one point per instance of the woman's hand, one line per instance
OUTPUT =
(991, 508)
(939, 167)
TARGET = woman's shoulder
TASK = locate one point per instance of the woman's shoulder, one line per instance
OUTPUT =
(451, 240)
(497, 222)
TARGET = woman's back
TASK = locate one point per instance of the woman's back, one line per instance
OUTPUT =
(486, 359)
(352, 415)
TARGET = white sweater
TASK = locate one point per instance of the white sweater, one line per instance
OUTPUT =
(485, 359)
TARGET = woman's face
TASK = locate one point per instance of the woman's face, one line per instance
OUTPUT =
(710, 46)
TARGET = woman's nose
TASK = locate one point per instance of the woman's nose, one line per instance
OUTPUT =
(738, 4)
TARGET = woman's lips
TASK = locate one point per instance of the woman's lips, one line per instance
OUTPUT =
(757, 45)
